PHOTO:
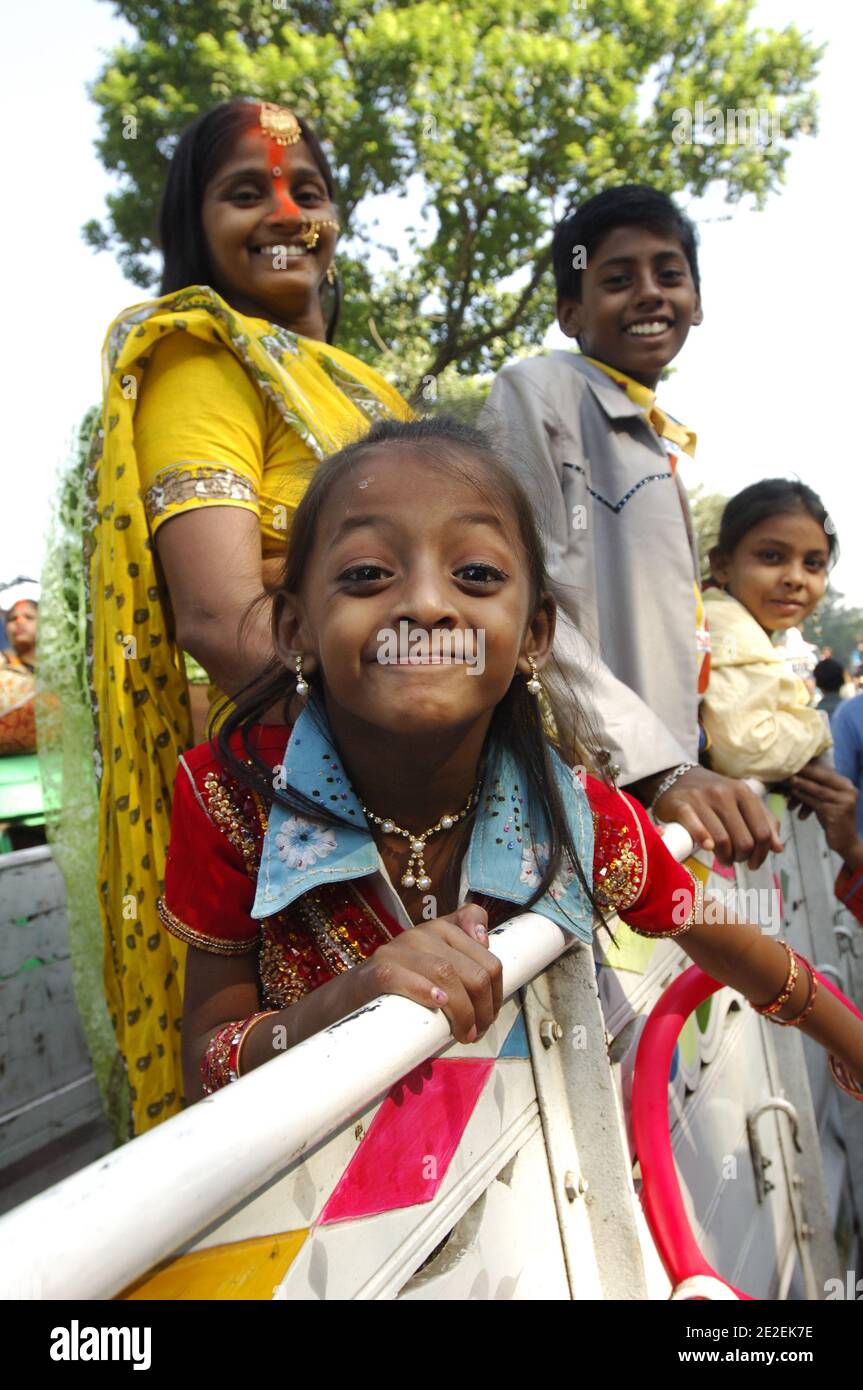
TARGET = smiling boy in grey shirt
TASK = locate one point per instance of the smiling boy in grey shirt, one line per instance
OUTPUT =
(600, 458)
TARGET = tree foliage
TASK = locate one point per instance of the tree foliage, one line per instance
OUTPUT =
(493, 116)
(833, 625)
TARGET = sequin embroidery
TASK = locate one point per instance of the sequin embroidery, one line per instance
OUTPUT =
(318, 937)
(240, 816)
(205, 482)
(618, 867)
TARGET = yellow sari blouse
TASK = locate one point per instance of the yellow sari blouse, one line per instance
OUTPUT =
(231, 448)
(202, 407)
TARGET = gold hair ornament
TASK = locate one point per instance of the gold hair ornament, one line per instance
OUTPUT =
(280, 124)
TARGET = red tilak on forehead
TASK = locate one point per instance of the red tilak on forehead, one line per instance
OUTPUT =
(275, 156)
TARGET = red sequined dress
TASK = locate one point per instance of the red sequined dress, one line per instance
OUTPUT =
(216, 839)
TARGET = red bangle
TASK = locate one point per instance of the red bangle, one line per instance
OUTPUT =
(220, 1064)
(844, 1080)
(768, 1010)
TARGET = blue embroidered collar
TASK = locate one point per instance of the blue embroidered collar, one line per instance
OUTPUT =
(504, 858)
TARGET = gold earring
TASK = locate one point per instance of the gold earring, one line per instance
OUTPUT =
(534, 684)
(302, 683)
(331, 274)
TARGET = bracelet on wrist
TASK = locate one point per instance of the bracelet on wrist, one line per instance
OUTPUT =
(220, 1064)
(804, 1013)
(774, 1005)
(844, 1079)
(668, 782)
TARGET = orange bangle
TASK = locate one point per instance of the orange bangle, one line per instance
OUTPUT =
(768, 1010)
(243, 1034)
(810, 998)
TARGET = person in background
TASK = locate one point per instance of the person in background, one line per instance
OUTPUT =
(847, 729)
(18, 671)
(830, 680)
(855, 661)
(22, 621)
(599, 459)
(770, 567)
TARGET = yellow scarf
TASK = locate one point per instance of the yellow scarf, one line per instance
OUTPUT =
(645, 399)
(138, 681)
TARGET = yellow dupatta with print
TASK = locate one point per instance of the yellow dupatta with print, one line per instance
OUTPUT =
(138, 682)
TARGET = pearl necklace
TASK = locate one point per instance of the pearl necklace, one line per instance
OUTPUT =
(415, 875)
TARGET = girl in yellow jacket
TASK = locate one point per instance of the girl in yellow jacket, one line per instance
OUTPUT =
(776, 545)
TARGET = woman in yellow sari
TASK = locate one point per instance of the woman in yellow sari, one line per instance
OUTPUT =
(220, 398)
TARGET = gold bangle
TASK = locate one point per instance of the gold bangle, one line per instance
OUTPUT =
(768, 1010)
(241, 1037)
(810, 998)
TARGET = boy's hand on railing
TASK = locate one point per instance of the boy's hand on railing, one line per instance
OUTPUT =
(833, 798)
(723, 815)
(443, 964)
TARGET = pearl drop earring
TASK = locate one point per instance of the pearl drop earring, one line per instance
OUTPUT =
(534, 685)
(302, 683)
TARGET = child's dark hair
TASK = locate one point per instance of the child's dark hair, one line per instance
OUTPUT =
(202, 148)
(772, 497)
(517, 724)
(629, 205)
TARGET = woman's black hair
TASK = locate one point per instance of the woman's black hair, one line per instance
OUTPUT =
(628, 205)
(202, 149)
(772, 497)
(517, 725)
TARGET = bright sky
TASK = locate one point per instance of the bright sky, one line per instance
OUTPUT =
(767, 381)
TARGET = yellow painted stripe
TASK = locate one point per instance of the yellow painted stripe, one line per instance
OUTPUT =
(245, 1269)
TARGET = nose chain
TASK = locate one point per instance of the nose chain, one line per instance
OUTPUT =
(311, 229)
(311, 233)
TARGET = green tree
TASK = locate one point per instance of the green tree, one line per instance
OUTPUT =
(497, 115)
(833, 625)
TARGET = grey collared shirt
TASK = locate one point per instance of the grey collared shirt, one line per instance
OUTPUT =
(621, 547)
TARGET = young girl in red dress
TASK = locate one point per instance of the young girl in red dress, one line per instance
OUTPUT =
(416, 800)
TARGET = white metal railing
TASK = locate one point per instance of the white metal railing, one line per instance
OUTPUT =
(87, 1237)
(101, 1229)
